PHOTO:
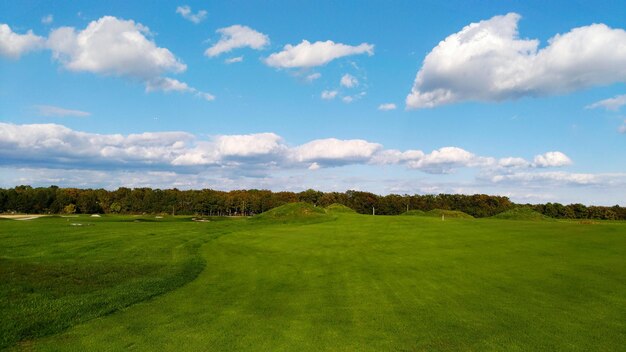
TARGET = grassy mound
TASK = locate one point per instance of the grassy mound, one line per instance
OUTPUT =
(521, 213)
(294, 212)
(456, 214)
(339, 208)
(414, 213)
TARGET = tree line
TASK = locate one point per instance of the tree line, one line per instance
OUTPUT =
(56, 200)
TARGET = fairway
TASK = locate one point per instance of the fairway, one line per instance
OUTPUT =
(339, 282)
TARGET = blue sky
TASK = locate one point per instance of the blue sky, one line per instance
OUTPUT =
(461, 97)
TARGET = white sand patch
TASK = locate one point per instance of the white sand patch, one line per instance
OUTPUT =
(22, 217)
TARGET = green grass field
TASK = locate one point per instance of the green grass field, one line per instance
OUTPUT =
(306, 281)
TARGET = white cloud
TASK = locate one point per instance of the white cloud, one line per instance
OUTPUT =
(350, 98)
(222, 150)
(557, 177)
(487, 61)
(387, 107)
(112, 46)
(55, 111)
(47, 19)
(552, 159)
(51, 143)
(233, 60)
(308, 54)
(313, 76)
(13, 45)
(250, 145)
(258, 153)
(512, 162)
(549, 159)
(622, 128)
(187, 14)
(335, 151)
(205, 96)
(392, 156)
(235, 37)
(329, 94)
(166, 84)
(612, 104)
(349, 81)
(446, 159)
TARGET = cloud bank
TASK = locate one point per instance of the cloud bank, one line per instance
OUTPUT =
(53, 144)
(44, 154)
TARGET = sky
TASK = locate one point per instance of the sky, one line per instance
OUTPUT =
(525, 99)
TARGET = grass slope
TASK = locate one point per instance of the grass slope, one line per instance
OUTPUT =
(414, 213)
(449, 214)
(340, 208)
(521, 213)
(365, 283)
(294, 213)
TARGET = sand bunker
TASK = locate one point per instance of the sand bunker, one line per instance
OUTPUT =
(21, 217)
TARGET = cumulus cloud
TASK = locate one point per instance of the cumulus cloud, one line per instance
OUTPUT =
(552, 159)
(612, 104)
(233, 60)
(223, 149)
(387, 107)
(447, 159)
(13, 45)
(349, 81)
(329, 94)
(55, 111)
(308, 54)
(393, 156)
(622, 128)
(250, 145)
(112, 46)
(237, 36)
(335, 151)
(513, 162)
(187, 14)
(488, 61)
